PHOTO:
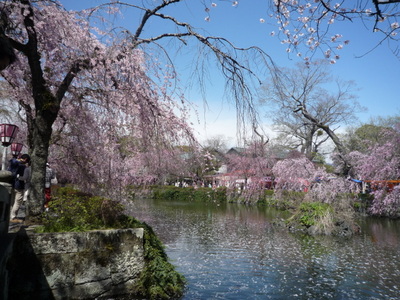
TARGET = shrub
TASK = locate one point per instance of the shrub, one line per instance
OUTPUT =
(268, 193)
(289, 195)
(313, 212)
(159, 279)
(266, 198)
(289, 199)
(319, 215)
(220, 194)
(72, 210)
(190, 194)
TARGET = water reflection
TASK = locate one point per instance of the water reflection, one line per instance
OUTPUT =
(234, 252)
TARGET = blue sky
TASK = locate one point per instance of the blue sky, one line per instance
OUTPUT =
(375, 74)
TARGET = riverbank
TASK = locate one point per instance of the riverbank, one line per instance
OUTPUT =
(307, 216)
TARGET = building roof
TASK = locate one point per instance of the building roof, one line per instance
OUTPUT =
(236, 150)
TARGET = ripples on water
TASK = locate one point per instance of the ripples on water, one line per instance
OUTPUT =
(233, 252)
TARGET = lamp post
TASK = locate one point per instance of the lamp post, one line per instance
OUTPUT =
(16, 148)
(7, 134)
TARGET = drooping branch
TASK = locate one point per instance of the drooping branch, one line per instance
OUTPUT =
(263, 143)
(228, 62)
(237, 74)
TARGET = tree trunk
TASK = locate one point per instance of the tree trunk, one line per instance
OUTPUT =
(335, 139)
(308, 144)
(340, 148)
(40, 118)
(39, 151)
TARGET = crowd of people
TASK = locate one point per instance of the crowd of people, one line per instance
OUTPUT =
(20, 168)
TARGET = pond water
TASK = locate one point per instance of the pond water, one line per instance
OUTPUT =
(231, 251)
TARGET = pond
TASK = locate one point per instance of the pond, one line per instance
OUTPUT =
(231, 251)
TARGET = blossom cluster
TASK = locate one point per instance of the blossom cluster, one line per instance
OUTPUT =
(306, 26)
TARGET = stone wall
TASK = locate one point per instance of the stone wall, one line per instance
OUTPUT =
(5, 199)
(97, 264)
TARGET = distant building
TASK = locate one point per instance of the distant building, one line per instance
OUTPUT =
(236, 150)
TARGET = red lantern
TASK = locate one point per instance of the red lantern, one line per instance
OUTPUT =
(16, 148)
(7, 134)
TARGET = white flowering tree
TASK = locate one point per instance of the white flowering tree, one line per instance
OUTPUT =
(309, 25)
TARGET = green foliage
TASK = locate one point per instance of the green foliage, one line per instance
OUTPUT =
(268, 193)
(267, 198)
(367, 201)
(220, 194)
(159, 279)
(368, 198)
(264, 197)
(278, 204)
(190, 193)
(361, 138)
(311, 213)
(72, 210)
(287, 199)
(292, 196)
(329, 168)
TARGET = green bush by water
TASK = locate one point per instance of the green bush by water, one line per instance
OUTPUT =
(311, 213)
(320, 216)
(159, 279)
(72, 210)
(168, 192)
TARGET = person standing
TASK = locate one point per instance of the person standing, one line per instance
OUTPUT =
(50, 175)
(13, 165)
(27, 183)
(22, 176)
